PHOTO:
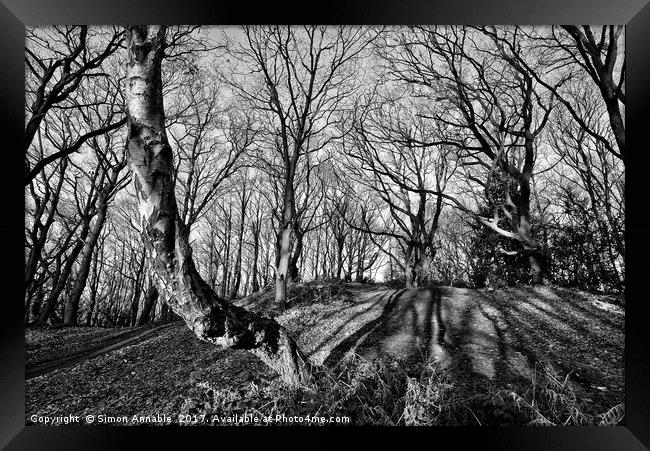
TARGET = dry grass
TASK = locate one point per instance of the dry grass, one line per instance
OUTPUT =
(551, 401)
(173, 373)
(382, 393)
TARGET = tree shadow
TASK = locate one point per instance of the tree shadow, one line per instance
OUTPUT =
(503, 337)
(350, 342)
(351, 319)
(410, 329)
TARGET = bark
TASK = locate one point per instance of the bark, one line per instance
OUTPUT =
(316, 256)
(226, 258)
(294, 273)
(255, 286)
(237, 272)
(535, 259)
(536, 262)
(409, 267)
(360, 257)
(165, 236)
(137, 290)
(266, 263)
(40, 229)
(164, 312)
(72, 304)
(602, 72)
(282, 266)
(94, 284)
(35, 306)
(339, 257)
(59, 286)
(288, 228)
(149, 302)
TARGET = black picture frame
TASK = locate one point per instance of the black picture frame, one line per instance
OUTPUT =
(15, 14)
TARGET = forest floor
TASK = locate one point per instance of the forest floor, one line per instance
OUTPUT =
(501, 339)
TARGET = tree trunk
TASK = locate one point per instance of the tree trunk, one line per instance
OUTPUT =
(615, 118)
(50, 304)
(316, 256)
(40, 228)
(94, 284)
(237, 273)
(164, 312)
(537, 264)
(165, 236)
(360, 257)
(282, 266)
(72, 304)
(149, 302)
(226, 258)
(137, 290)
(294, 274)
(339, 257)
(255, 286)
(410, 268)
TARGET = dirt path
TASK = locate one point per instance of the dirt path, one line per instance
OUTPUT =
(489, 338)
(108, 345)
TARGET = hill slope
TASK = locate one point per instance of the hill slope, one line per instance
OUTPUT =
(491, 339)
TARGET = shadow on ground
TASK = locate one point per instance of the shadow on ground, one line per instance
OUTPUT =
(499, 337)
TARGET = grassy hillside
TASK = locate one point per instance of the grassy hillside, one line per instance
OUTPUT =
(544, 355)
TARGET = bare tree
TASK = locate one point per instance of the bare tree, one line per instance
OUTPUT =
(110, 166)
(60, 61)
(596, 51)
(166, 237)
(493, 112)
(302, 76)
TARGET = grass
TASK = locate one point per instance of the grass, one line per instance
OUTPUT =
(485, 381)
(551, 401)
(384, 393)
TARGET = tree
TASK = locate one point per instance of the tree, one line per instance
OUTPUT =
(110, 166)
(166, 237)
(301, 77)
(399, 158)
(60, 60)
(493, 112)
(597, 52)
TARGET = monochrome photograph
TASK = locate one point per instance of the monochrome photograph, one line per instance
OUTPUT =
(324, 225)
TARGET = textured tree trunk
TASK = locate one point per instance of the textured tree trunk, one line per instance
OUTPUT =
(255, 286)
(359, 273)
(72, 304)
(615, 117)
(294, 273)
(226, 258)
(50, 304)
(535, 255)
(94, 284)
(282, 266)
(316, 256)
(137, 290)
(149, 302)
(164, 312)
(35, 306)
(410, 268)
(536, 268)
(237, 273)
(91, 307)
(340, 241)
(165, 236)
(423, 264)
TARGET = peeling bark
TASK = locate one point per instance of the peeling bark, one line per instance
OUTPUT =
(165, 236)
